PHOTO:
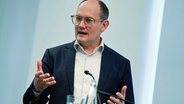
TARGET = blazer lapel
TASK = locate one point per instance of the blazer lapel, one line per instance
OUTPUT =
(70, 62)
(105, 68)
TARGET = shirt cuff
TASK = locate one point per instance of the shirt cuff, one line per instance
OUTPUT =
(36, 93)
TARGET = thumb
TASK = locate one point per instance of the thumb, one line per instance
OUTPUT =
(39, 65)
(123, 90)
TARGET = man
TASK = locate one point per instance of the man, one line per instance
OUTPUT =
(61, 71)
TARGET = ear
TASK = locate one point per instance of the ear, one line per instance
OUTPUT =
(105, 24)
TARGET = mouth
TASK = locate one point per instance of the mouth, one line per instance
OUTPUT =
(82, 33)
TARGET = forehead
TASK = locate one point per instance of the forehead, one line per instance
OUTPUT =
(90, 8)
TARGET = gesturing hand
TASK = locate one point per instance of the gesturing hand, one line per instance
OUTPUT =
(113, 100)
(41, 80)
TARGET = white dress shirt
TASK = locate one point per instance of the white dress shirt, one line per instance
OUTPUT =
(84, 61)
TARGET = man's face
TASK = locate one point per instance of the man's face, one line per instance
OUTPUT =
(89, 34)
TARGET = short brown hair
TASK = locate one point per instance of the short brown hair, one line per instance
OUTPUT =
(104, 11)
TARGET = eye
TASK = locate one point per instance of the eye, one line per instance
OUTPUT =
(78, 18)
(89, 20)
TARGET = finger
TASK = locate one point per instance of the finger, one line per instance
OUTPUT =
(123, 90)
(115, 100)
(109, 102)
(39, 66)
(49, 81)
(37, 74)
(120, 96)
(44, 76)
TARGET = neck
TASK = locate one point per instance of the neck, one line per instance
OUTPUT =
(89, 47)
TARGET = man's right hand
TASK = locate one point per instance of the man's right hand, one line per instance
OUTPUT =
(41, 80)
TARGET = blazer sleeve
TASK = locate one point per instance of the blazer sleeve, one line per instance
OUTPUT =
(127, 80)
(29, 96)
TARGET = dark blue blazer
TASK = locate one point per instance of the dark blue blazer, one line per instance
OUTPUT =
(60, 61)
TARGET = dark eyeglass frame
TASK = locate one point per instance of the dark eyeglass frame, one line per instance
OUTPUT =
(89, 21)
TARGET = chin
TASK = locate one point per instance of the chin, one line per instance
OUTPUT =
(82, 41)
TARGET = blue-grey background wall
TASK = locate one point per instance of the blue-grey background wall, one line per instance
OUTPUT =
(17, 24)
(27, 28)
(169, 86)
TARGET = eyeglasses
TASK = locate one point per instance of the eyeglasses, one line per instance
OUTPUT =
(89, 21)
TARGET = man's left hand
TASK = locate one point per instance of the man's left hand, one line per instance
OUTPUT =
(113, 100)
